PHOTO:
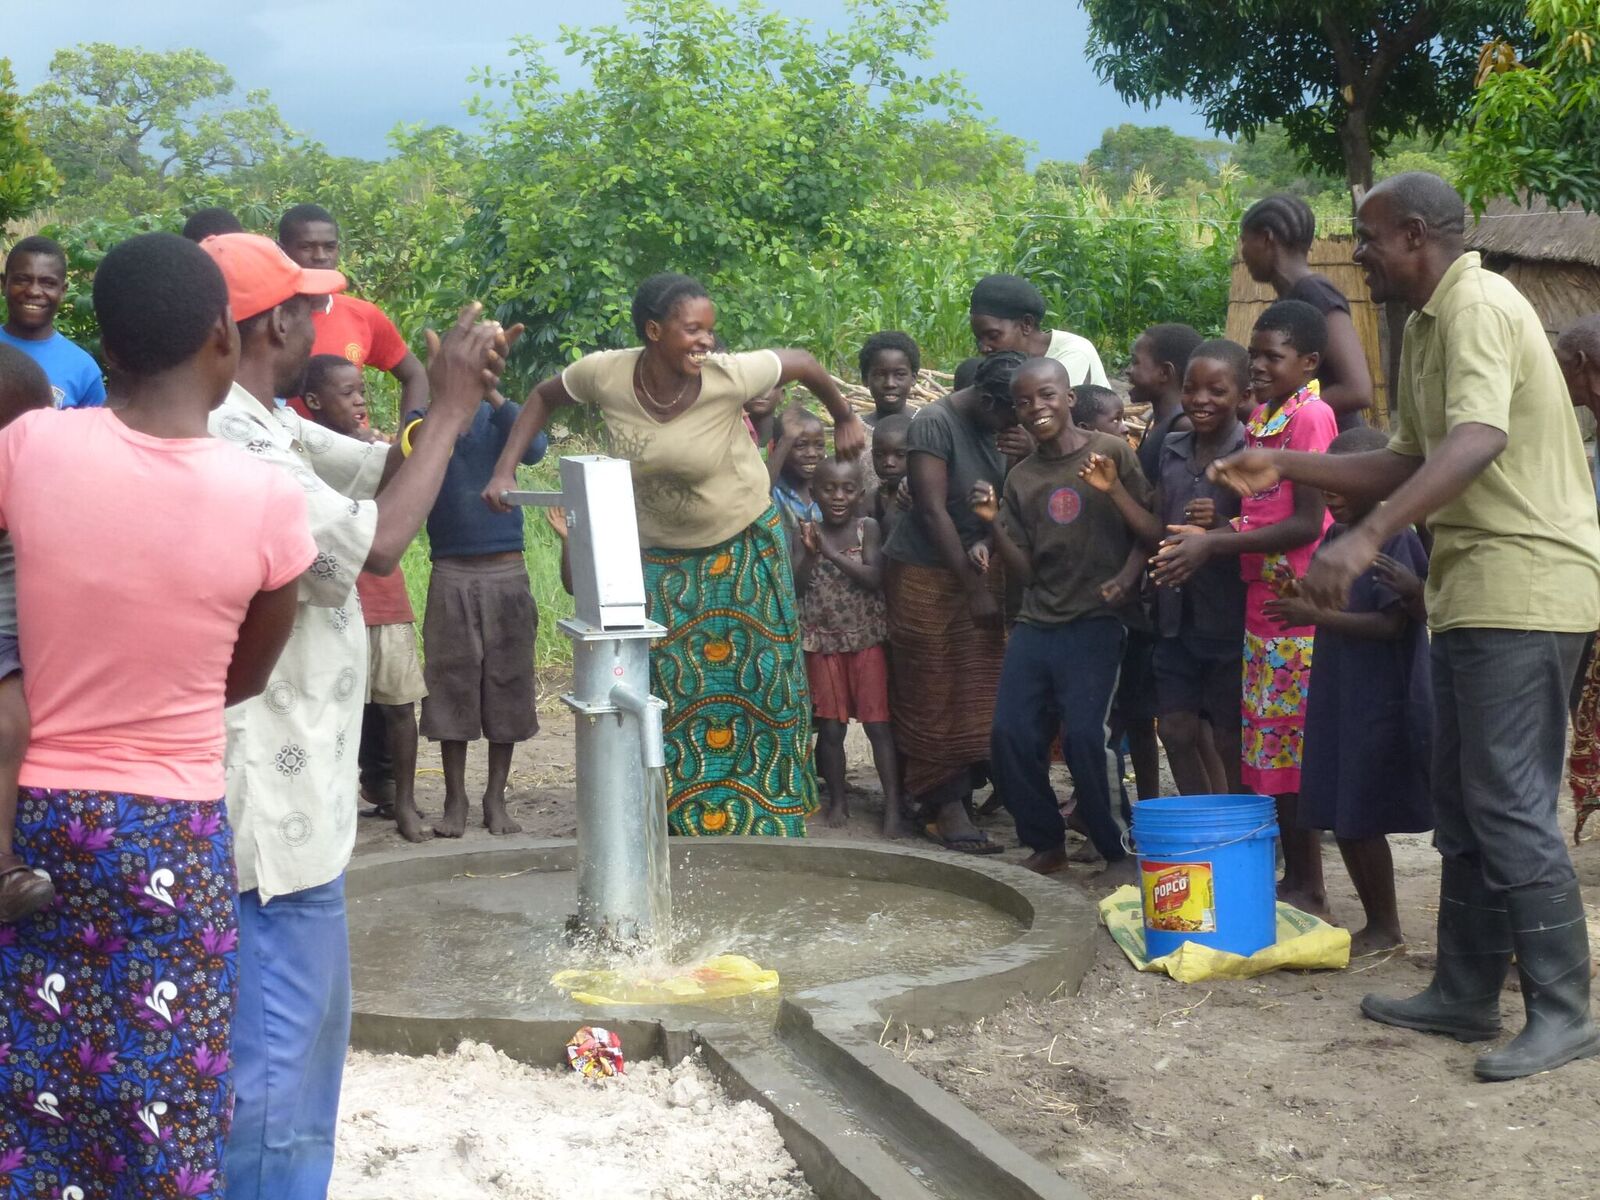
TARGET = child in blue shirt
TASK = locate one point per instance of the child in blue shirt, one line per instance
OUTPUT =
(478, 631)
(35, 282)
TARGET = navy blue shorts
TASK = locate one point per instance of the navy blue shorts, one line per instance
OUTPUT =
(1199, 675)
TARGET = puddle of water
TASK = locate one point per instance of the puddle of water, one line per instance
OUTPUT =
(490, 945)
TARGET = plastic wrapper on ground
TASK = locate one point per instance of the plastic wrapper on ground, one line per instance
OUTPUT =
(1304, 943)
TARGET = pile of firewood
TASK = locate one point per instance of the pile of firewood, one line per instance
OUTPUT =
(930, 385)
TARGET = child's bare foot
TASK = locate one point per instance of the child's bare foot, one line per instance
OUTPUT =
(1372, 940)
(1046, 862)
(836, 812)
(454, 822)
(408, 822)
(1086, 853)
(1315, 903)
(1115, 875)
(895, 824)
(495, 818)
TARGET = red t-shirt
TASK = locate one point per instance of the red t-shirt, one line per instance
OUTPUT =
(384, 599)
(355, 329)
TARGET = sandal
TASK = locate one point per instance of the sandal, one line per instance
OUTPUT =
(382, 806)
(981, 844)
(23, 891)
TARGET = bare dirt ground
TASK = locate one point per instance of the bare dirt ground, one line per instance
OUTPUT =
(1273, 1088)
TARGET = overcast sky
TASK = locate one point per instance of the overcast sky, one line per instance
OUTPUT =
(346, 71)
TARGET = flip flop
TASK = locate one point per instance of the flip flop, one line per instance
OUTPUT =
(23, 891)
(979, 845)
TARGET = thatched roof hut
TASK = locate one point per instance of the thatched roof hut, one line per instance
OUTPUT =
(1329, 256)
(1552, 255)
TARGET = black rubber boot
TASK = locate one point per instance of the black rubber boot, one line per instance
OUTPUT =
(1474, 951)
(1552, 943)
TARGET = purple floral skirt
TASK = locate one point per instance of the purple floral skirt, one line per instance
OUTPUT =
(116, 1002)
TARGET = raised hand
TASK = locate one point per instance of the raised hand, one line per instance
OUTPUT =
(1183, 552)
(1397, 577)
(466, 363)
(1248, 472)
(1014, 442)
(810, 538)
(1201, 512)
(849, 438)
(1100, 473)
(1335, 568)
(1290, 612)
(985, 504)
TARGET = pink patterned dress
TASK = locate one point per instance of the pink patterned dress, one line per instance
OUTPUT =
(1277, 662)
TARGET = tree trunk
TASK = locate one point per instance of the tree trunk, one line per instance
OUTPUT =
(1356, 144)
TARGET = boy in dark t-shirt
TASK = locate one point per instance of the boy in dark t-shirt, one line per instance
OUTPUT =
(1063, 539)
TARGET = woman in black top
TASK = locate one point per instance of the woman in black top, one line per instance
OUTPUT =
(1275, 235)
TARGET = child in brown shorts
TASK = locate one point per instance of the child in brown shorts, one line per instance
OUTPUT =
(334, 392)
(478, 631)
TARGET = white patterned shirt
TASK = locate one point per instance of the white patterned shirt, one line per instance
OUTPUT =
(291, 759)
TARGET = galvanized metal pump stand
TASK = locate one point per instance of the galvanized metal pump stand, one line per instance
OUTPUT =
(623, 874)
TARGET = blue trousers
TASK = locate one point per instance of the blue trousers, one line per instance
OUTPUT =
(290, 1034)
(1060, 677)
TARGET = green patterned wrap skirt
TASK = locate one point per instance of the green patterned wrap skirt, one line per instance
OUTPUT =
(738, 720)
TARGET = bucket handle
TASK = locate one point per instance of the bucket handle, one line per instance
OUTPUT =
(1129, 848)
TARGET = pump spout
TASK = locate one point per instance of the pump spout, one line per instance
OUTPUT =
(647, 711)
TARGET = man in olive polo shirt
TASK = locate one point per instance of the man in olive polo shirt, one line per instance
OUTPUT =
(1486, 448)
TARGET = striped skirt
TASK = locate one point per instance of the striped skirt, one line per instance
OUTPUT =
(116, 1002)
(944, 674)
(738, 720)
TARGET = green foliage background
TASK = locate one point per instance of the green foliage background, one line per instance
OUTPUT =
(822, 186)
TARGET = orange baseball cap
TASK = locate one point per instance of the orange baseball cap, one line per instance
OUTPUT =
(261, 276)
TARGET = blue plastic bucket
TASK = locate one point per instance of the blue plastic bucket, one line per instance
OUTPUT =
(1206, 870)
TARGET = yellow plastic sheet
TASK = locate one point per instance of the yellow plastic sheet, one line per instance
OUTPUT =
(718, 978)
(1304, 944)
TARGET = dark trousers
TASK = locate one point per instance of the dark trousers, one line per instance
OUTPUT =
(1060, 677)
(376, 764)
(1498, 750)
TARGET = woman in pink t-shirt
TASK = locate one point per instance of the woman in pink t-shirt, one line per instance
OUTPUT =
(156, 582)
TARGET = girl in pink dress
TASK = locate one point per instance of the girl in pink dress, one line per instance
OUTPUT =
(1275, 535)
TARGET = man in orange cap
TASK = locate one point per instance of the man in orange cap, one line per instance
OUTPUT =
(291, 762)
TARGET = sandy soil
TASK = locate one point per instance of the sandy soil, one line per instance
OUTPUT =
(474, 1125)
(1272, 1088)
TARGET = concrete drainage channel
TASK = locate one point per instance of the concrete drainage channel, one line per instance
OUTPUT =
(860, 1123)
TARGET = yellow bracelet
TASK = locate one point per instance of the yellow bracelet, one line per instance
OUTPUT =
(405, 438)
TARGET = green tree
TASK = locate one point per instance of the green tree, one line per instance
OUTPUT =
(1535, 123)
(119, 115)
(727, 142)
(1169, 159)
(1269, 163)
(1344, 78)
(27, 179)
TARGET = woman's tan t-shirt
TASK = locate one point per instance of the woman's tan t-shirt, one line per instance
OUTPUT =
(698, 479)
